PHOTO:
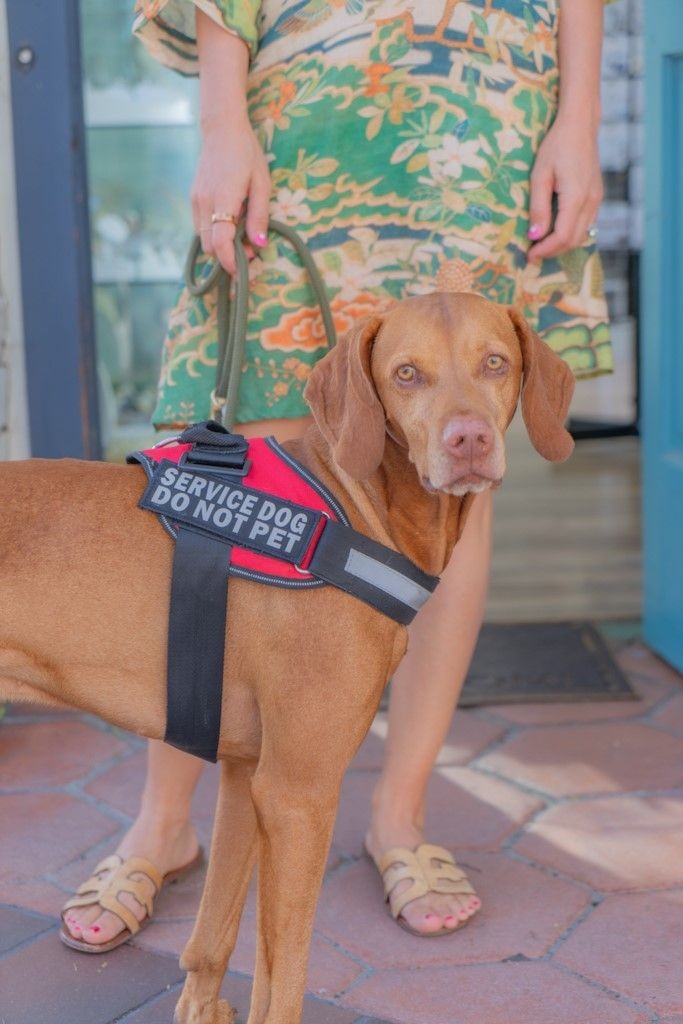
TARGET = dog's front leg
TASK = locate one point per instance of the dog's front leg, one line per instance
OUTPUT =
(295, 831)
(233, 846)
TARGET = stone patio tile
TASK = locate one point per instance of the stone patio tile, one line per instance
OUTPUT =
(614, 844)
(671, 715)
(181, 899)
(513, 993)
(467, 737)
(16, 926)
(46, 983)
(632, 945)
(605, 758)
(465, 809)
(649, 691)
(524, 911)
(42, 831)
(237, 991)
(165, 937)
(329, 971)
(32, 893)
(53, 753)
(639, 660)
(121, 787)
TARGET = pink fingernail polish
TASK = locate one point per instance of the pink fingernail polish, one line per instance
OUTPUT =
(260, 239)
(534, 232)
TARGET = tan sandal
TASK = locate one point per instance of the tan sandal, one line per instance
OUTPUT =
(426, 876)
(106, 892)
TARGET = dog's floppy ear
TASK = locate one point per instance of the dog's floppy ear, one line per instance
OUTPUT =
(344, 402)
(547, 389)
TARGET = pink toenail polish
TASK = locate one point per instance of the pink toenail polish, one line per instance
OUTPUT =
(534, 232)
(430, 917)
(449, 920)
(94, 928)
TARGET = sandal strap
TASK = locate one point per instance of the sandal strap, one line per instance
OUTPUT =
(429, 868)
(106, 891)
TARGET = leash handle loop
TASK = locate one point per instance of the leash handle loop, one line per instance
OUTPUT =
(232, 314)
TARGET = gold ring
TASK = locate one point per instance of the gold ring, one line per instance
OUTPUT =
(228, 218)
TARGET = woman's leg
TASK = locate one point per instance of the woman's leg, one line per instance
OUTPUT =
(424, 694)
(162, 831)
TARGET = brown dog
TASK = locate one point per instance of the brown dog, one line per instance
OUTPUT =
(410, 411)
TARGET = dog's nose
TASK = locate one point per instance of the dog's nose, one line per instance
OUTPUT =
(468, 439)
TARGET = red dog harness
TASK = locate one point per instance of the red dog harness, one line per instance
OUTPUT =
(273, 471)
(249, 509)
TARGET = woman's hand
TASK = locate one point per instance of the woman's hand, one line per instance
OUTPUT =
(567, 160)
(232, 176)
(567, 163)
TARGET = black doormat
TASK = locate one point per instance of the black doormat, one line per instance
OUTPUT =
(543, 662)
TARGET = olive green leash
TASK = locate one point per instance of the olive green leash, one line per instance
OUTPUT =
(232, 312)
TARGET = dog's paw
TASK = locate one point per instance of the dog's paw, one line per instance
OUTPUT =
(224, 1013)
(220, 1012)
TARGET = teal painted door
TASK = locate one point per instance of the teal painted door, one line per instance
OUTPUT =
(662, 331)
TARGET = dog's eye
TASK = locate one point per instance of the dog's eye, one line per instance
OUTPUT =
(495, 363)
(406, 373)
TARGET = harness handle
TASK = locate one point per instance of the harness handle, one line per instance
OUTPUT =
(232, 314)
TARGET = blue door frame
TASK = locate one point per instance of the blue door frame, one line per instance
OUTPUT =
(662, 327)
(54, 231)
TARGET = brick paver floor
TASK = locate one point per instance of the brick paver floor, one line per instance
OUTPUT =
(568, 818)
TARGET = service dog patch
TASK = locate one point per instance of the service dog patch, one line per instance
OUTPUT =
(232, 511)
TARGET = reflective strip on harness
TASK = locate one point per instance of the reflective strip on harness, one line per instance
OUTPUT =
(386, 579)
(378, 575)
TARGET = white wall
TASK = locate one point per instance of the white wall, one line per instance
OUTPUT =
(14, 442)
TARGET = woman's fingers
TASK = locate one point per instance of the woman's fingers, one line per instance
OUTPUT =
(567, 231)
(540, 201)
(257, 208)
(230, 180)
(201, 200)
(223, 245)
(223, 231)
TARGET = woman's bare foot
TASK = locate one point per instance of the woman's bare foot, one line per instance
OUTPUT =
(167, 845)
(427, 914)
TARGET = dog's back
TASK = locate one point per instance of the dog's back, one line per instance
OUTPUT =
(84, 594)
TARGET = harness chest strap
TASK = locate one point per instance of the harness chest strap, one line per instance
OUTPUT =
(213, 513)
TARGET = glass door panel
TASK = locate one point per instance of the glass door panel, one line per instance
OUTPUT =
(142, 144)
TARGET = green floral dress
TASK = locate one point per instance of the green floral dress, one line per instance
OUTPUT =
(401, 139)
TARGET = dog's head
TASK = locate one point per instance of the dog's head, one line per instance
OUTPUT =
(442, 374)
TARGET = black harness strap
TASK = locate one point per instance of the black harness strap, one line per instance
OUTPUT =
(383, 578)
(196, 643)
